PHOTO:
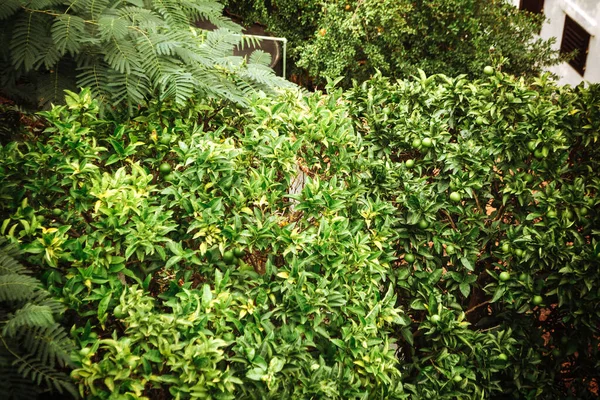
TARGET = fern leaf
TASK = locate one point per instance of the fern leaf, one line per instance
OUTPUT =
(112, 27)
(51, 345)
(172, 12)
(260, 57)
(10, 250)
(179, 87)
(95, 77)
(17, 287)
(26, 46)
(31, 367)
(121, 56)
(8, 8)
(29, 315)
(143, 18)
(66, 33)
(88, 9)
(131, 88)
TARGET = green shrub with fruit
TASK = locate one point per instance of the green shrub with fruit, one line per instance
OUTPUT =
(433, 238)
(355, 39)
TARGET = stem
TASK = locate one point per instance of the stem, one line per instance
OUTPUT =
(476, 307)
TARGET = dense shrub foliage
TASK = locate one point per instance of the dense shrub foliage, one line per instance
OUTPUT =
(355, 38)
(431, 238)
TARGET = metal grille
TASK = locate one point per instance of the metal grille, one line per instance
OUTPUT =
(575, 38)
(533, 6)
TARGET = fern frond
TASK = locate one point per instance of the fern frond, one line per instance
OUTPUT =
(180, 87)
(34, 369)
(172, 12)
(25, 46)
(8, 258)
(131, 88)
(8, 8)
(95, 77)
(89, 9)
(141, 17)
(43, 4)
(51, 345)
(260, 57)
(67, 30)
(121, 56)
(17, 287)
(31, 315)
(51, 87)
(112, 27)
(12, 384)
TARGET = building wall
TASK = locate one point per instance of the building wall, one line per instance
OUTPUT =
(587, 14)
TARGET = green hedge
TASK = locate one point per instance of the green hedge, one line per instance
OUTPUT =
(193, 270)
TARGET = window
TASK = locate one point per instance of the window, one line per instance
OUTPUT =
(533, 6)
(575, 38)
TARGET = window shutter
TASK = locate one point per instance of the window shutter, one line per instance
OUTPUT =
(533, 6)
(575, 38)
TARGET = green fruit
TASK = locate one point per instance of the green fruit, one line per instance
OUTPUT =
(427, 142)
(169, 177)
(409, 163)
(523, 277)
(452, 185)
(528, 178)
(164, 168)
(551, 214)
(435, 318)
(519, 253)
(488, 70)
(409, 258)
(239, 253)
(228, 337)
(457, 378)
(416, 143)
(118, 312)
(537, 300)
(531, 145)
(165, 139)
(228, 257)
(504, 276)
(564, 340)
(40, 218)
(590, 201)
(583, 211)
(450, 249)
(556, 353)
(57, 212)
(455, 197)
(538, 154)
(423, 224)
(506, 247)
(502, 357)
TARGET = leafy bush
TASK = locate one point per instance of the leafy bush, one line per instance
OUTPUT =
(126, 52)
(498, 210)
(355, 39)
(291, 250)
(33, 346)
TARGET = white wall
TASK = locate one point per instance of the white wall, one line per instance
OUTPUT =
(587, 14)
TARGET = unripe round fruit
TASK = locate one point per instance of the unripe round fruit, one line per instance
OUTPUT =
(556, 353)
(523, 277)
(409, 163)
(450, 249)
(531, 145)
(537, 300)
(57, 212)
(239, 253)
(568, 214)
(435, 318)
(551, 214)
(410, 258)
(528, 178)
(228, 257)
(423, 224)
(538, 154)
(457, 378)
(506, 247)
(416, 143)
(519, 253)
(583, 211)
(502, 357)
(164, 168)
(455, 197)
(165, 139)
(488, 70)
(504, 276)
(427, 142)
